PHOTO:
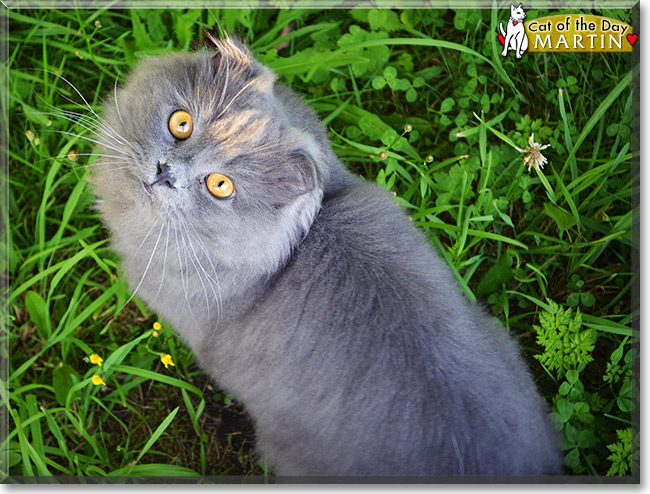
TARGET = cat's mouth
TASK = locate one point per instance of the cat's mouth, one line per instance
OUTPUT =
(147, 187)
(163, 177)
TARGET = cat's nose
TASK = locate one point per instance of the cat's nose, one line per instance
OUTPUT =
(163, 176)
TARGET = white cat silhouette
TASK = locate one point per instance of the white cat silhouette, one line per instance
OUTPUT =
(515, 35)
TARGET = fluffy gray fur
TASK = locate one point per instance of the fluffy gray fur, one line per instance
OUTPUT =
(308, 295)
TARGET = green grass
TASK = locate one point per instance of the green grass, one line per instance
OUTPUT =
(528, 244)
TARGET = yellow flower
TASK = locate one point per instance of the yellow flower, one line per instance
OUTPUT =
(96, 359)
(408, 128)
(157, 326)
(97, 380)
(383, 155)
(166, 359)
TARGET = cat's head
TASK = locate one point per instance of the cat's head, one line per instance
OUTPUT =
(201, 142)
(517, 13)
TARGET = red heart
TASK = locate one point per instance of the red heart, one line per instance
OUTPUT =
(632, 38)
(501, 39)
(514, 23)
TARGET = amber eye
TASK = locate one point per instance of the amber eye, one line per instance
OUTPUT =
(219, 185)
(180, 124)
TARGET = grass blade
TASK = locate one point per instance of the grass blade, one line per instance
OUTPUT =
(601, 110)
(154, 437)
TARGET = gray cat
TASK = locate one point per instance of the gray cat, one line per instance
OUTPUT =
(305, 292)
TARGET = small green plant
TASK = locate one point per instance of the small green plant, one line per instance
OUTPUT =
(566, 345)
(579, 296)
(623, 457)
(581, 407)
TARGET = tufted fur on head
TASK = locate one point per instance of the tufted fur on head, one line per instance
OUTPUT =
(306, 293)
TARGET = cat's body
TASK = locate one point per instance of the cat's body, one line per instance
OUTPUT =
(515, 37)
(369, 361)
(323, 311)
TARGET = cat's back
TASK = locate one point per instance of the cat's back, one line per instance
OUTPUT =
(374, 341)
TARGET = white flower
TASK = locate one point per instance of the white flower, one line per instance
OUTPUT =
(533, 154)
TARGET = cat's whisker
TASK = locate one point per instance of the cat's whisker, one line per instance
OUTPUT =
(71, 165)
(180, 263)
(225, 86)
(215, 280)
(90, 125)
(162, 279)
(99, 119)
(185, 285)
(117, 107)
(97, 122)
(92, 140)
(60, 156)
(111, 169)
(101, 129)
(214, 270)
(105, 163)
(97, 128)
(187, 265)
(209, 279)
(146, 270)
(75, 90)
(235, 97)
(80, 117)
(200, 243)
(145, 238)
(207, 300)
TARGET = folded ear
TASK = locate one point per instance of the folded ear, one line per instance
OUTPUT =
(299, 175)
(233, 56)
(231, 49)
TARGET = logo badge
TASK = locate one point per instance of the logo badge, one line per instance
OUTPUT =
(513, 37)
(564, 33)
